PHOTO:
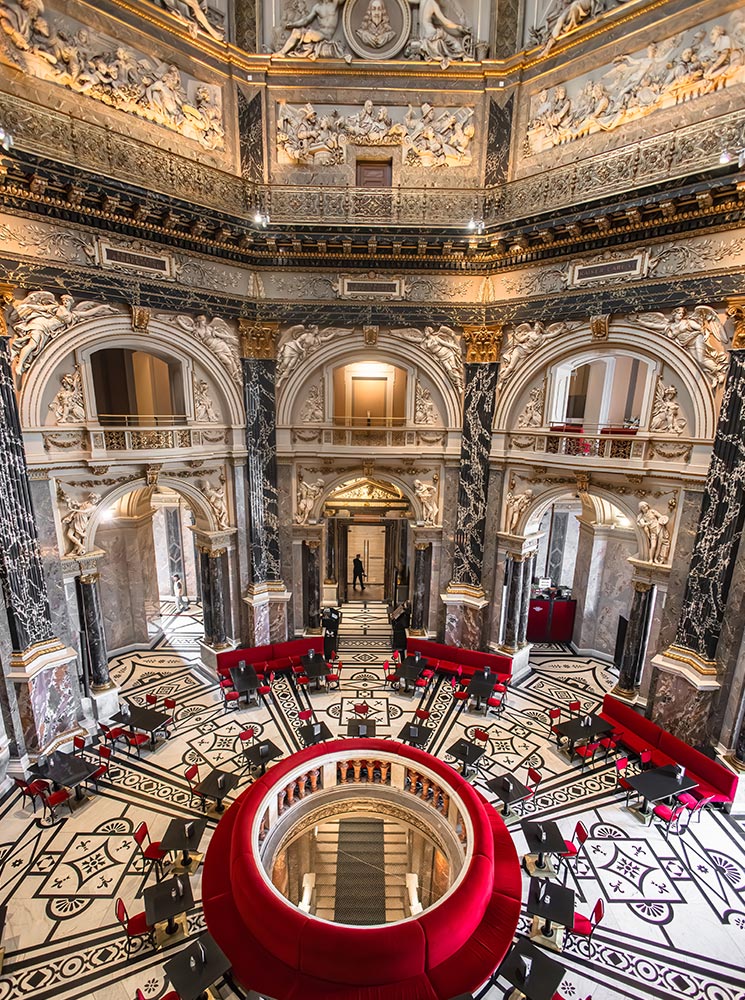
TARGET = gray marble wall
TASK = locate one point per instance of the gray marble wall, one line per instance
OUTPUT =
(491, 573)
(729, 658)
(291, 573)
(688, 513)
(241, 622)
(129, 581)
(442, 578)
(64, 615)
(601, 586)
(161, 552)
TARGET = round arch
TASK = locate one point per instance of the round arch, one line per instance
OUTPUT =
(163, 338)
(631, 340)
(346, 350)
(346, 477)
(204, 518)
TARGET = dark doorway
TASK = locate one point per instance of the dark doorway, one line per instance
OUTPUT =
(374, 173)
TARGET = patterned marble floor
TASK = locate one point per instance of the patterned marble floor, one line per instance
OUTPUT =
(675, 909)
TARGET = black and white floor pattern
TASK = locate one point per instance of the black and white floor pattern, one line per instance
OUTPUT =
(675, 908)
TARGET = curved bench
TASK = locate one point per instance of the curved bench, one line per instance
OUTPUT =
(448, 659)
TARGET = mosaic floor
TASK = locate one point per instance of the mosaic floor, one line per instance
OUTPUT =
(675, 909)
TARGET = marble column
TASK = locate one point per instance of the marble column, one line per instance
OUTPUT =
(267, 597)
(632, 659)
(91, 624)
(513, 607)
(686, 683)
(556, 542)
(41, 669)
(465, 598)
(213, 600)
(312, 549)
(528, 572)
(422, 578)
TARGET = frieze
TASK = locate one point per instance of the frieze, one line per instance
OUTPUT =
(196, 15)
(563, 17)
(64, 51)
(699, 61)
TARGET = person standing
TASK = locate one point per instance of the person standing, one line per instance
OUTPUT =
(178, 592)
(358, 572)
(400, 623)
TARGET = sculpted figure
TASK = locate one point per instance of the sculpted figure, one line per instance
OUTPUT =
(312, 410)
(424, 408)
(307, 494)
(315, 41)
(517, 504)
(68, 406)
(18, 21)
(218, 338)
(526, 338)
(427, 494)
(166, 94)
(194, 12)
(655, 528)
(700, 332)
(375, 29)
(532, 415)
(297, 343)
(204, 411)
(442, 344)
(563, 16)
(75, 521)
(666, 416)
(42, 317)
(440, 38)
(215, 496)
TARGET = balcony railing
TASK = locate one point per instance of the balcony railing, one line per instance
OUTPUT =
(604, 446)
(134, 439)
(374, 436)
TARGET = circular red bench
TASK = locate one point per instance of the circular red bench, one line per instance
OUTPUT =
(276, 948)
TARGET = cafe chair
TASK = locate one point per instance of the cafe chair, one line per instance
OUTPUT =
(229, 695)
(554, 718)
(169, 707)
(78, 744)
(586, 751)
(556, 996)
(134, 927)
(151, 700)
(481, 736)
(610, 743)
(391, 676)
(31, 789)
(245, 740)
(574, 708)
(112, 734)
(422, 715)
(192, 776)
(302, 680)
(585, 927)
(645, 759)
(495, 703)
(104, 759)
(695, 806)
(421, 683)
(306, 715)
(533, 781)
(575, 845)
(150, 849)
(622, 764)
(135, 740)
(265, 690)
(459, 694)
(333, 680)
(672, 817)
(53, 799)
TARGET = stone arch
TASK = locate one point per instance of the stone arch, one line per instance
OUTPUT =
(330, 485)
(350, 348)
(626, 337)
(163, 337)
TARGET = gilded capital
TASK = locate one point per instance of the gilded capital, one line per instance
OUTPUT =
(736, 310)
(483, 343)
(6, 297)
(258, 339)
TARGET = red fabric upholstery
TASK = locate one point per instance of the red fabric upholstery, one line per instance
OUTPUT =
(448, 659)
(391, 953)
(268, 656)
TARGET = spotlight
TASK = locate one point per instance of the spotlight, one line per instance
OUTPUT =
(477, 226)
(6, 139)
(725, 158)
(261, 219)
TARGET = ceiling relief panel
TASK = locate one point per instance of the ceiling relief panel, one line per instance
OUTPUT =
(51, 46)
(669, 72)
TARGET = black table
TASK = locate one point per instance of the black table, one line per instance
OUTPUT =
(261, 754)
(196, 968)
(549, 902)
(315, 668)
(216, 786)
(658, 784)
(147, 720)
(416, 734)
(466, 752)
(65, 770)
(356, 727)
(481, 686)
(183, 835)
(245, 681)
(552, 842)
(508, 790)
(314, 732)
(411, 669)
(167, 899)
(579, 731)
(545, 974)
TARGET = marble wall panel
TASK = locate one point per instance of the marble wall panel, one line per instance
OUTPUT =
(442, 576)
(162, 566)
(260, 625)
(129, 583)
(588, 574)
(615, 592)
(64, 614)
(723, 722)
(681, 709)
(688, 514)
(250, 129)
(289, 574)
(244, 14)
(261, 468)
(242, 552)
(47, 705)
(464, 625)
(498, 144)
(12, 723)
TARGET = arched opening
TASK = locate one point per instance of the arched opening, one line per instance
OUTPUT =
(136, 388)
(601, 394)
(149, 547)
(369, 394)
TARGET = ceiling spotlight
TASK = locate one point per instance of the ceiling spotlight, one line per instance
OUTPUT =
(477, 226)
(261, 219)
(6, 139)
(725, 158)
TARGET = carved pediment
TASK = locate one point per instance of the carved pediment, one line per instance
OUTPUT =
(366, 493)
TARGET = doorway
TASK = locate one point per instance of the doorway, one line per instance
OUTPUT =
(369, 541)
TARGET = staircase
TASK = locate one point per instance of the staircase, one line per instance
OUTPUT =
(364, 621)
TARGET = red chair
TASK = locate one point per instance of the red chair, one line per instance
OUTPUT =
(645, 759)
(151, 850)
(694, 805)
(104, 759)
(585, 927)
(556, 996)
(574, 708)
(134, 927)
(622, 764)
(586, 751)
(533, 781)
(53, 799)
(392, 677)
(495, 703)
(421, 714)
(169, 704)
(306, 715)
(151, 700)
(459, 694)
(192, 776)
(481, 736)
(229, 695)
(264, 690)
(671, 816)
(361, 709)
(554, 717)
(78, 744)
(112, 733)
(31, 789)
(609, 743)
(575, 845)
(301, 680)
(173, 995)
(245, 739)
(135, 740)
(333, 680)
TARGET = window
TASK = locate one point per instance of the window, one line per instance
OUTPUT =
(136, 388)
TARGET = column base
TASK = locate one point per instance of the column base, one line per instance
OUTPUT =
(330, 595)
(105, 703)
(208, 654)
(682, 695)
(267, 612)
(624, 694)
(520, 660)
(464, 618)
(45, 693)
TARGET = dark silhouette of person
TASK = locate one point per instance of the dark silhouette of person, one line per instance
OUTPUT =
(358, 572)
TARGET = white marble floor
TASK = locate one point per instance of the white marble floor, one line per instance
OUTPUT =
(675, 908)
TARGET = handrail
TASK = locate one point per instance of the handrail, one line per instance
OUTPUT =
(142, 419)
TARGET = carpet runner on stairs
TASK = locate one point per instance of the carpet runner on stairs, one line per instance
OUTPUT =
(360, 872)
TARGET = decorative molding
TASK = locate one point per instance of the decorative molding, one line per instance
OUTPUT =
(258, 339)
(483, 343)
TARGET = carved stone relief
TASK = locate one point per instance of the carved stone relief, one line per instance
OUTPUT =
(686, 66)
(39, 318)
(560, 17)
(54, 47)
(195, 14)
(216, 336)
(515, 506)
(307, 494)
(68, 405)
(204, 410)
(656, 531)
(442, 345)
(427, 495)
(75, 521)
(376, 29)
(298, 342)
(428, 137)
(215, 497)
(424, 407)
(532, 415)
(700, 332)
(312, 411)
(525, 339)
(666, 415)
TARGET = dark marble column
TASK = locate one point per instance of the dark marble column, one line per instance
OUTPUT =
(312, 560)
(528, 570)
(515, 571)
(632, 659)
(331, 551)
(91, 623)
(739, 752)
(422, 578)
(556, 543)
(213, 597)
